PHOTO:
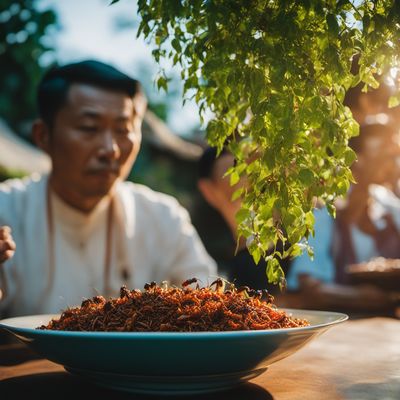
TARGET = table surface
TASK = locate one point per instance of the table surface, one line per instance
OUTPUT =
(359, 359)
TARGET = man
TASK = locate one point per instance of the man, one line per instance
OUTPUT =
(82, 230)
(367, 226)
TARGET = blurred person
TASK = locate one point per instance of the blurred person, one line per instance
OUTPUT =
(367, 226)
(82, 230)
(214, 219)
(371, 106)
(7, 244)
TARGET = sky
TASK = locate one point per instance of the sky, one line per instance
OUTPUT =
(88, 30)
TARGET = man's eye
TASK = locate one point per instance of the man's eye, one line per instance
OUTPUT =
(122, 131)
(89, 129)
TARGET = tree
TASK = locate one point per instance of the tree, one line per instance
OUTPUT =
(23, 29)
(275, 73)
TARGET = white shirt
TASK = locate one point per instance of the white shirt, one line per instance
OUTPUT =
(152, 239)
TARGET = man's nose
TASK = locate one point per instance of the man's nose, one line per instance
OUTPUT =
(109, 148)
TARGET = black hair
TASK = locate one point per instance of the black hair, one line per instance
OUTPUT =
(207, 161)
(54, 86)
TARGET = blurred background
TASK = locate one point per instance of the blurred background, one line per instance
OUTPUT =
(34, 35)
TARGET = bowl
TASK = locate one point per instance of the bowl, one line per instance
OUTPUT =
(169, 362)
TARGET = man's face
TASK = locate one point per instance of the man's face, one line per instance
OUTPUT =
(93, 143)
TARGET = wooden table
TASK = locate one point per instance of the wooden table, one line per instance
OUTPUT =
(359, 360)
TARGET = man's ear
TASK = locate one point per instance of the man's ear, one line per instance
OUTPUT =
(41, 135)
(140, 105)
(209, 191)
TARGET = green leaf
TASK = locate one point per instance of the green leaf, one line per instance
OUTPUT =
(366, 23)
(310, 252)
(310, 219)
(258, 123)
(349, 156)
(394, 101)
(256, 253)
(333, 26)
(331, 209)
(306, 176)
(237, 193)
(242, 215)
(162, 83)
(234, 178)
(274, 271)
(176, 45)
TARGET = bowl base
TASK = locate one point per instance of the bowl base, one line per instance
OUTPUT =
(167, 385)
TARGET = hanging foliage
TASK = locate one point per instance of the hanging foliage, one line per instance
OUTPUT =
(274, 73)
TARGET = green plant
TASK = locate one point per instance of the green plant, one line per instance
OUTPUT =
(24, 41)
(274, 74)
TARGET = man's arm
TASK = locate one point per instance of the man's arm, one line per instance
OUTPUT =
(357, 298)
(7, 244)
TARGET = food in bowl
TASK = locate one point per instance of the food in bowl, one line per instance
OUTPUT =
(173, 309)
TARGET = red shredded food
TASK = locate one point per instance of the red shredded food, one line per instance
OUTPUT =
(174, 309)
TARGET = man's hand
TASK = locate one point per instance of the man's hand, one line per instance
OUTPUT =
(7, 244)
(363, 298)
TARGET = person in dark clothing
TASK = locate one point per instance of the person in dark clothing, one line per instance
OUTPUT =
(214, 219)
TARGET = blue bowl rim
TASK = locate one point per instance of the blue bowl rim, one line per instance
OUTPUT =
(337, 318)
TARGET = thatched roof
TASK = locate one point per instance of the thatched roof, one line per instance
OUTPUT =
(157, 133)
(18, 155)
